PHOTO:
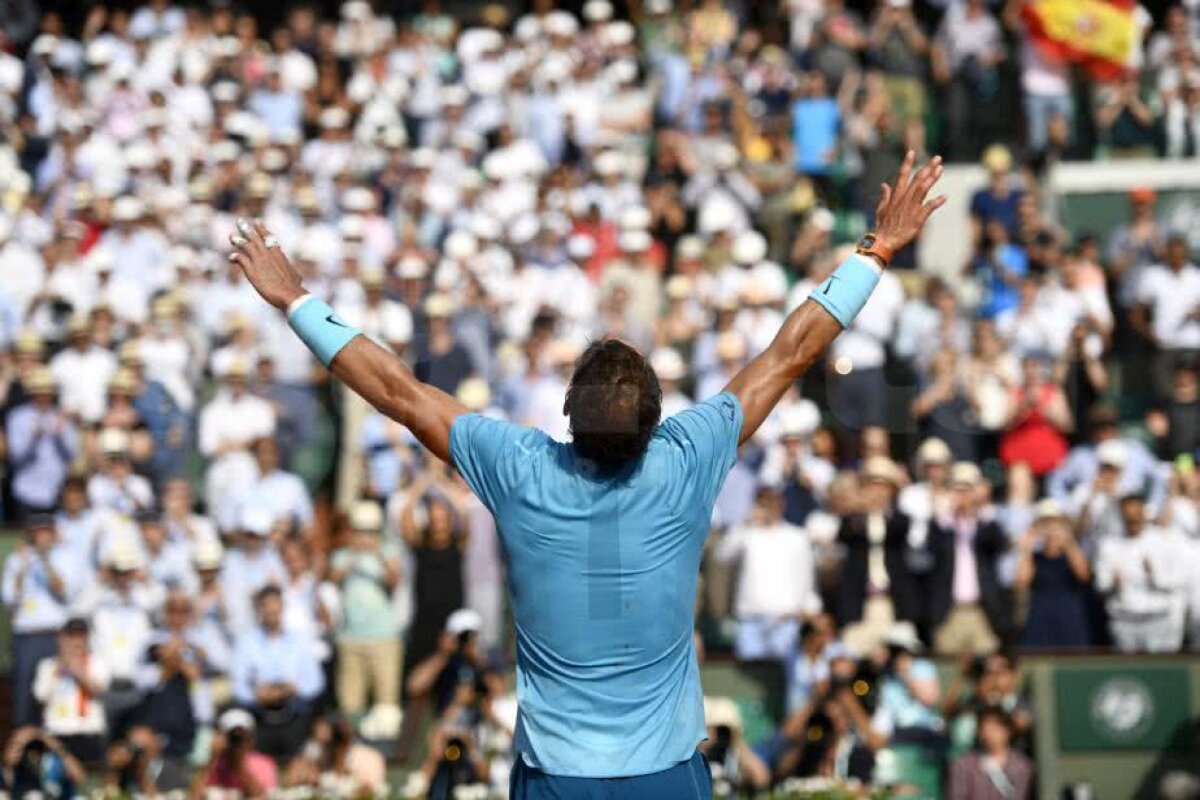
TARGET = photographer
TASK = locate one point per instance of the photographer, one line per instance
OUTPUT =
(908, 708)
(729, 756)
(462, 684)
(334, 760)
(832, 736)
(234, 764)
(36, 763)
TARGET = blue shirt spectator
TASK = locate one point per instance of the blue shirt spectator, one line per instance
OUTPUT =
(41, 445)
(816, 119)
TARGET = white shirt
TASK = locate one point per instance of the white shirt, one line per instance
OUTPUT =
(82, 379)
(778, 572)
(1143, 592)
(228, 420)
(67, 709)
(1172, 297)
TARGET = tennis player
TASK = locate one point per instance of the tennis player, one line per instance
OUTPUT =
(604, 534)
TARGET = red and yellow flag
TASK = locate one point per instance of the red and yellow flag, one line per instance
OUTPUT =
(1100, 34)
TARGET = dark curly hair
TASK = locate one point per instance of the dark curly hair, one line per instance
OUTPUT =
(614, 403)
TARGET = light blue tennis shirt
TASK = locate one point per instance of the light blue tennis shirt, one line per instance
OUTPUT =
(602, 571)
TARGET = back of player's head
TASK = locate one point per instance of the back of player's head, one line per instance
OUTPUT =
(614, 402)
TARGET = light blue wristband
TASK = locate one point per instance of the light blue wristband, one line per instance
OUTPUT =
(846, 291)
(321, 330)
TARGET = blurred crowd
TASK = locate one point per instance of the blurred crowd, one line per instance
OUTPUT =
(1002, 460)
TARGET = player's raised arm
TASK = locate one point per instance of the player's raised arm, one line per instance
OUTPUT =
(833, 305)
(377, 375)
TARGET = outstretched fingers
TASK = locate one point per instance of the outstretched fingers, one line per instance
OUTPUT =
(905, 171)
(885, 197)
(932, 206)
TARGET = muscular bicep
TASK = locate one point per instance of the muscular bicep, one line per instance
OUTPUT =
(758, 387)
(382, 379)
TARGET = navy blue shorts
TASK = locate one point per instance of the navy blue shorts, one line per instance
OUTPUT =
(687, 780)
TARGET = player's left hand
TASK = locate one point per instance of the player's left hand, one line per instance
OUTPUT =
(261, 258)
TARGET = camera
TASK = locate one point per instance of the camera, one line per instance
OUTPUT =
(238, 738)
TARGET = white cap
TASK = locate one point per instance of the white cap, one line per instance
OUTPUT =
(113, 441)
(334, 117)
(207, 553)
(800, 419)
(749, 247)
(965, 473)
(1111, 454)
(634, 218)
(722, 712)
(257, 520)
(438, 306)
(934, 451)
(879, 468)
(636, 241)
(125, 556)
(235, 718)
(366, 515)
(460, 245)
(597, 11)
(127, 209)
(690, 247)
(352, 226)
(474, 394)
(560, 23)
(668, 364)
(1048, 509)
(619, 33)
(903, 634)
(359, 199)
(610, 162)
(412, 268)
(581, 247)
(463, 620)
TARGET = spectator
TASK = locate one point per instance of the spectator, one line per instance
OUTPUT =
(1138, 467)
(41, 579)
(996, 770)
(334, 758)
(1135, 245)
(441, 360)
(233, 763)
(1169, 294)
(69, 686)
(36, 763)
(731, 758)
(82, 373)
(1141, 576)
(229, 424)
(41, 443)
(115, 486)
(183, 658)
(816, 118)
(437, 545)
(966, 51)
(120, 607)
(876, 587)
(1125, 120)
(909, 704)
(985, 682)
(276, 676)
(943, 408)
(461, 682)
(902, 46)
(777, 584)
(968, 608)
(251, 565)
(369, 649)
(274, 489)
(1057, 575)
(1038, 421)
(930, 495)
(808, 667)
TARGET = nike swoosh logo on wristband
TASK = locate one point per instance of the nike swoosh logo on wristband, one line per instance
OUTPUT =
(333, 320)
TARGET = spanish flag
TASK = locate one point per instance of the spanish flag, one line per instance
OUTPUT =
(1100, 34)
